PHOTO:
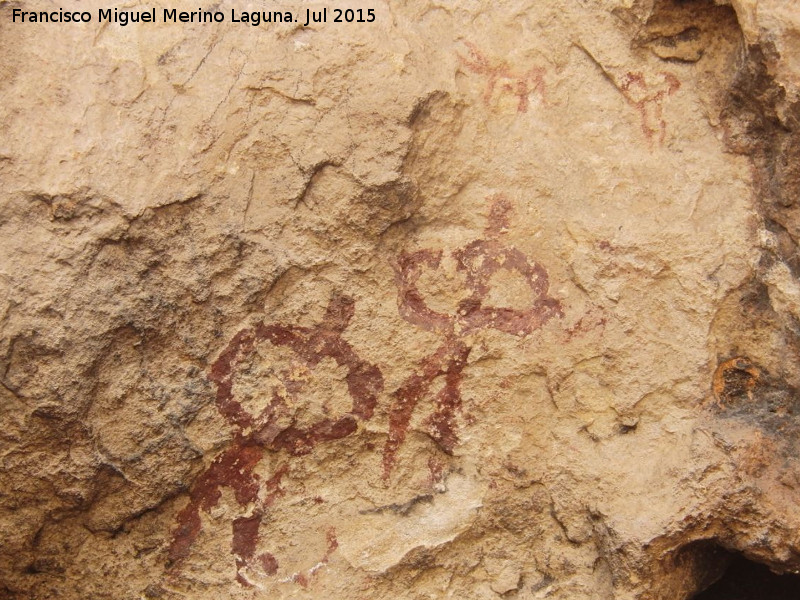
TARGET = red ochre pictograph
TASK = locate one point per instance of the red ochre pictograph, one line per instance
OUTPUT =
(478, 261)
(256, 434)
(502, 79)
(647, 96)
(268, 431)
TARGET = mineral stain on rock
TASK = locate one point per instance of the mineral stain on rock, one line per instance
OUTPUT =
(735, 379)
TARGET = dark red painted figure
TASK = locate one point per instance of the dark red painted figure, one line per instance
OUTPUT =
(255, 434)
(478, 261)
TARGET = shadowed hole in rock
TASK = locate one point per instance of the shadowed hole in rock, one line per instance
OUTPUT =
(744, 579)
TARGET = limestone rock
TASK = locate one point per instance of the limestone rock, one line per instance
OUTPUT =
(476, 300)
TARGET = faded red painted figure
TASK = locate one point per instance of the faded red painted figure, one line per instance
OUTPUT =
(647, 97)
(500, 76)
(478, 261)
(255, 434)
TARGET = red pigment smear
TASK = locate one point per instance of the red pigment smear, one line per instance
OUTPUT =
(448, 401)
(500, 210)
(233, 469)
(436, 471)
(593, 319)
(333, 543)
(269, 563)
(245, 531)
(245, 535)
(304, 579)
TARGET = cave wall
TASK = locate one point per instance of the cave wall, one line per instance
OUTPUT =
(477, 300)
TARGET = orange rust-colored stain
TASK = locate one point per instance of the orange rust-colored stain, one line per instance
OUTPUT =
(734, 378)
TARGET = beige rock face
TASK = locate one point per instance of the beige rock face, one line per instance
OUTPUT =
(477, 300)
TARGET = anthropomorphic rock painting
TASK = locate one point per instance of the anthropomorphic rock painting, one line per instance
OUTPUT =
(274, 429)
(478, 261)
(645, 91)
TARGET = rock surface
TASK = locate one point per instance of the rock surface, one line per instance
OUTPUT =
(478, 300)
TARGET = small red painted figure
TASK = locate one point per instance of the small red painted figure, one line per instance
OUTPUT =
(478, 261)
(256, 434)
(647, 96)
(499, 76)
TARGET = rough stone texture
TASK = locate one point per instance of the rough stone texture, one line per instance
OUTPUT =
(479, 300)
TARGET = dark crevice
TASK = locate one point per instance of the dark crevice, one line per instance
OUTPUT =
(747, 580)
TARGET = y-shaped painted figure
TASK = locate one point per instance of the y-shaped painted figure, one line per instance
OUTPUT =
(648, 97)
(479, 261)
(253, 435)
